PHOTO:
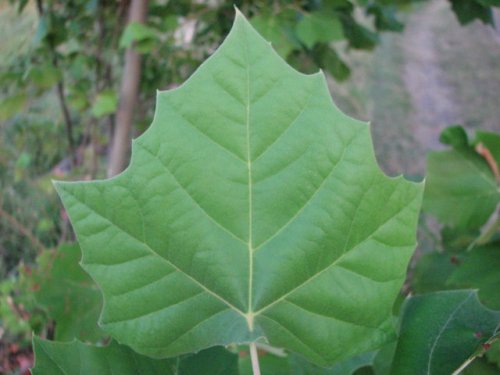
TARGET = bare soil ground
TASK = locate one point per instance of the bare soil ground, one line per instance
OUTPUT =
(416, 83)
(432, 98)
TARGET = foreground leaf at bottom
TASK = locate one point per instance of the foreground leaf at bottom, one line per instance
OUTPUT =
(440, 331)
(56, 358)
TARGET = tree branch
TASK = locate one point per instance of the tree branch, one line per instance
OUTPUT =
(60, 92)
(128, 96)
(19, 227)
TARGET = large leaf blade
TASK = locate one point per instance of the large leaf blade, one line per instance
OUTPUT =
(249, 196)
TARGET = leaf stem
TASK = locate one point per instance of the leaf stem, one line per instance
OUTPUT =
(255, 359)
(463, 366)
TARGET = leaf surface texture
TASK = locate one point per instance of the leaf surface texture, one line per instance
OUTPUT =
(252, 208)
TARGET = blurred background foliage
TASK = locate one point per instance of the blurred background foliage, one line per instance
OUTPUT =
(412, 67)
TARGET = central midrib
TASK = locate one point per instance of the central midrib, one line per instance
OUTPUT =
(249, 315)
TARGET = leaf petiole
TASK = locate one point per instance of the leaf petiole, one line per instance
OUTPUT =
(255, 359)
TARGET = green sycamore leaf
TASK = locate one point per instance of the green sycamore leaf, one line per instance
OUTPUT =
(432, 271)
(493, 354)
(470, 10)
(68, 294)
(252, 209)
(294, 365)
(492, 142)
(44, 76)
(318, 27)
(56, 358)
(346, 367)
(213, 361)
(12, 105)
(278, 30)
(440, 331)
(383, 359)
(461, 188)
(105, 103)
(480, 269)
(480, 367)
(328, 60)
(385, 17)
(136, 32)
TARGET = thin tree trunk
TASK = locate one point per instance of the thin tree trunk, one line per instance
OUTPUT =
(128, 97)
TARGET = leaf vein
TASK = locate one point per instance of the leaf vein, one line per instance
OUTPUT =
(293, 122)
(154, 311)
(327, 316)
(212, 140)
(304, 206)
(334, 263)
(153, 252)
(443, 328)
(210, 217)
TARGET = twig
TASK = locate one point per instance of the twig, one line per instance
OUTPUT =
(486, 154)
(18, 226)
(60, 93)
(488, 230)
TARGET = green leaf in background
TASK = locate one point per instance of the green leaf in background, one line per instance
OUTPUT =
(481, 367)
(12, 105)
(456, 240)
(69, 295)
(385, 17)
(55, 358)
(491, 3)
(470, 10)
(480, 268)
(136, 32)
(461, 189)
(346, 367)
(43, 29)
(328, 59)
(383, 359)
(294, 365)
(358, 35)
(432, 271)
(269, 364)
(252, 208)
(44, 76)
(440, 331)
(213, 361)
(78, 99)
(493, 354)
(277, 30)
(454, 136)
(318, 27)
(105, 103)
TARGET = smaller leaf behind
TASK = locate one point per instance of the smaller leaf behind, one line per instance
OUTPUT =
(68, 294)
(479, 269)
(461, 189)
(56, 358)
(440, 331)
